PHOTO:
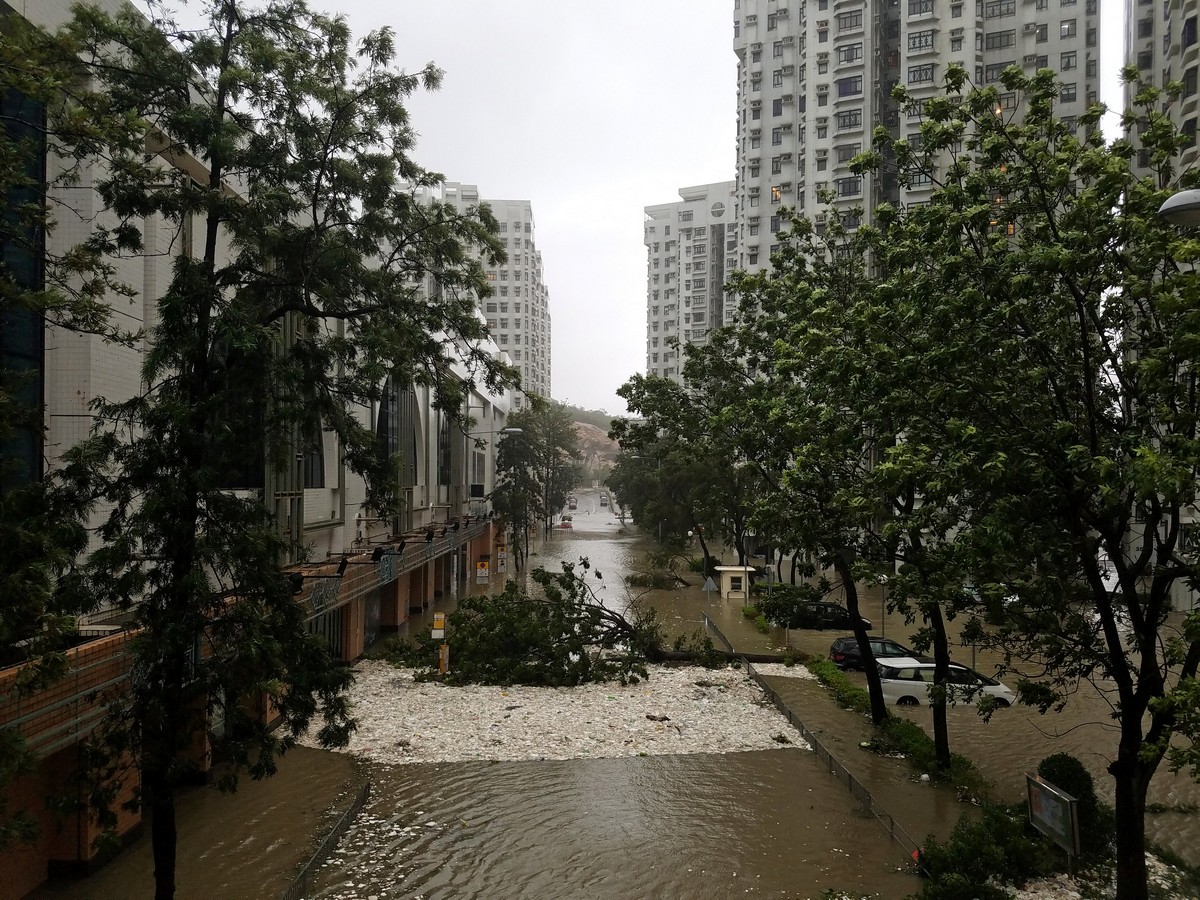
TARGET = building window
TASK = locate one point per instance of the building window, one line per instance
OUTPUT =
(998, 40)
(776, 165)
(1042, 33)
(1067, 28)
(956, 44)
(920, 40)
(922, 74)
(998, 9)
(920, 7)
(847, 152)
(849, 118)
(776, 137)
(777, 49)
(1067, 93)
(848, 187)
(777, 78)
(774, 224)
(993, 72)
(850, 53)
(849, 20)
(850, 87)
(1067, 61)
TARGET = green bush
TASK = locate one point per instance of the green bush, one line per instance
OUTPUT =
(750, 612)
(847, 694)
(981, 855)
(761, 623)
(1096, 819)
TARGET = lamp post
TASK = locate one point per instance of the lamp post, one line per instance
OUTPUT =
(1182, 208)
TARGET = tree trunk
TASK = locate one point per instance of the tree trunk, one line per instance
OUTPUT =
(163, 834)
(795, 565)
(941, 676)
(1131, 778)
(874, 689)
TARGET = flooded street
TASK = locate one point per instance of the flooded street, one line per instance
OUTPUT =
(758, 824)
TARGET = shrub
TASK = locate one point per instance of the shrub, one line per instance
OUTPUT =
(1096, 822)
(761, 623)
(981, 855)
(750, 612)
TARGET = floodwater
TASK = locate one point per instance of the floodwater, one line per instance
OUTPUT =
(760, 824)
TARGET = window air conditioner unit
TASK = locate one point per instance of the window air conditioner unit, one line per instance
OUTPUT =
(820, 218)
(1029, 59)
(822, 89)
(755, 46)
(1031, 26)
(824, 23)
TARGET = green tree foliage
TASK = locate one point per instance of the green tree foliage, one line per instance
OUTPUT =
(557, 634)
(536, 468)
(1053, 346)
(45, 113)
(675, 471)
(307, 277)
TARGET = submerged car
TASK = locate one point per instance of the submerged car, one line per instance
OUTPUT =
(844, 652)
(906, 681)
(820, 614)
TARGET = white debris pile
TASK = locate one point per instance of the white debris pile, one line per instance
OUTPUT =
(1165, 882)
(677, 710)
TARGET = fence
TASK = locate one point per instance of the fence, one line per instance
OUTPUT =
(712, 627)
(835, 768)
(301, 882)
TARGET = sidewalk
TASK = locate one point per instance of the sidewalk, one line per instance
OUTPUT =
(889, 788)
(895, 790)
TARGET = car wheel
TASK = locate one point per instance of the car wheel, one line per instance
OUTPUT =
(908, 701)
(1003, 704)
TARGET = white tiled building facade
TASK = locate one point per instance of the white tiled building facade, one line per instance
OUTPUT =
(815, 78)
(518, 314)
(1161, 39)
(690, 247)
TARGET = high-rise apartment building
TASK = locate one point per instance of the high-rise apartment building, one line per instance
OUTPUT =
(815, 78)
(518, 313)
(691, 245)
(1161, 40)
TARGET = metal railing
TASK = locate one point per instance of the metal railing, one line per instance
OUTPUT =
(711, 626)
(301, 883)
(835, 768)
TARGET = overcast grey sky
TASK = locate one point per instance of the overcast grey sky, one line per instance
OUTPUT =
(591, 110)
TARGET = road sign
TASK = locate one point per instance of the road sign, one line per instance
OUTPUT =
(439, 626)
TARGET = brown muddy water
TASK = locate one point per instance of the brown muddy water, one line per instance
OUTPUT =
(762, 824)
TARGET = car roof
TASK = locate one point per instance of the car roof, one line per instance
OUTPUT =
(903, 662)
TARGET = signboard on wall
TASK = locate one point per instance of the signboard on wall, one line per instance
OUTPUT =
(502, 557)
(483, 567)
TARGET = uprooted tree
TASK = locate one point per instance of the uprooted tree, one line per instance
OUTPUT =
(556, 633)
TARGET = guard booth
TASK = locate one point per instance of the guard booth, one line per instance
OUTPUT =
(735, 582)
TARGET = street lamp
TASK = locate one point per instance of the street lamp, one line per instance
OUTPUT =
(1182, 208)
